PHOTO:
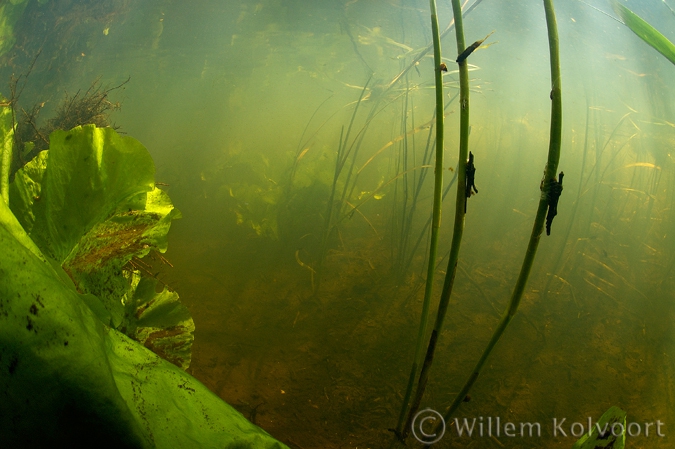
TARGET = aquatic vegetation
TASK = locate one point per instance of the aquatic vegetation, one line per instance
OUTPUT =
(422, 53)
(342, 198)
(276, 199)
(81, 213)
(544, 207)
(91, 107)
(347, 151)
(6, 146)
(222, 103)
(403, 426)
(645, 31)
(253, 194)
(10, 12)
(605, 432)
(90, 205)
(69, 32)
(550, 187)
(66, 376)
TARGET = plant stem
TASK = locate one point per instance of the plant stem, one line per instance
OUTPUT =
(428, 48)
(423, 232)
(537, 228)
(6, 144)
(340, 161)
(436, 214)
(557, 265)
(458, 229)
(403, 161)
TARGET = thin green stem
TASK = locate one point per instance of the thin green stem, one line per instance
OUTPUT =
(575, 206)
(404, 231)
(429, 47)
(423, 232)
(6, 145)
(340, 161)
(436, 215)
(458, 228)
(537, 228)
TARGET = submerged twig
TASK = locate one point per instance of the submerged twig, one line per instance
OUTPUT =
(304, 265)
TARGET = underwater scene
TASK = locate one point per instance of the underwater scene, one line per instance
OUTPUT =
(245, 200)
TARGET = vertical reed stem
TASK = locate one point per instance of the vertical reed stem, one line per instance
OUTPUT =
(458, 229)
(6, 144)
(537, 228)
(436, 216)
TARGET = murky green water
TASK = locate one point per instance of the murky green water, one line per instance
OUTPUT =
(244, 107)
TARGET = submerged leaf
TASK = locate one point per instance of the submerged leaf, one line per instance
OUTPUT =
(160, 322)
(608, 432)
(27, 189)
(92, 188)
(91, 205)
(643, 164)
(65, 377)
(645, 31)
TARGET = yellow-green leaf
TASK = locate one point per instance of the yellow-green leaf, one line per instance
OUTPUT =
(645, 31)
